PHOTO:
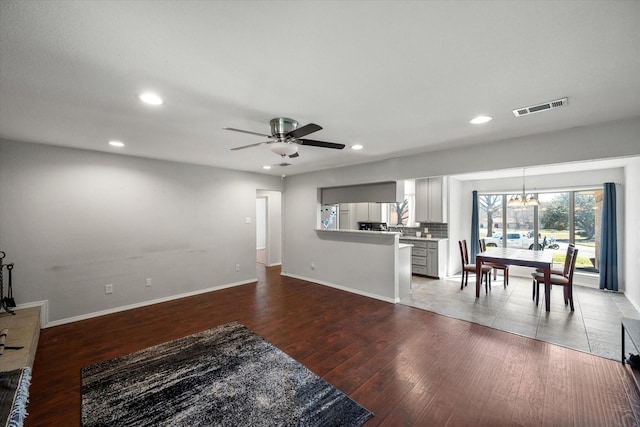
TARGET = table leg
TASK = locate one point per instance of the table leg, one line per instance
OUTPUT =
(547, 288)
(478, 276)
(622, 326)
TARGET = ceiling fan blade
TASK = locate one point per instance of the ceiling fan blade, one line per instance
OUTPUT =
(294, 155)
(249, 132)
(304, 130)
(322, 144)
(249, 146)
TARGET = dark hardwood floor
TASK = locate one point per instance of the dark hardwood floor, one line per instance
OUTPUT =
(408, 366)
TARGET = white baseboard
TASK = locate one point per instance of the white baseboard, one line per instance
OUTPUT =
(144, 303)
(343, 288)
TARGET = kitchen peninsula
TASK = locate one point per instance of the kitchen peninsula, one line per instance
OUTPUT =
(379, 252)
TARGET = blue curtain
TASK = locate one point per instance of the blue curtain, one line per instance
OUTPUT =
(475, 230)
(609, 240)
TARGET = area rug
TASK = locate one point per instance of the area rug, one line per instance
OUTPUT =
(225, 376)
(14, 396)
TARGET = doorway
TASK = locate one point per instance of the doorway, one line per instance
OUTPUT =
(269, 227)
(261, 230)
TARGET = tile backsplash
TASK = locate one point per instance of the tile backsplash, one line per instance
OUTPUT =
(438, 230)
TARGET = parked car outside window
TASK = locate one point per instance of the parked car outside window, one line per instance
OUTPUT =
(514, 240)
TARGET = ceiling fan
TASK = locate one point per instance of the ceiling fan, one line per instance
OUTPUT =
(286, 136)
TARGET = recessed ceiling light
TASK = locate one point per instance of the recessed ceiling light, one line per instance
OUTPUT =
(150, 98)
(266, 167)
(357, 147)
(480, 120)
(116, 144)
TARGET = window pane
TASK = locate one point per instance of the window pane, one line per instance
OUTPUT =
(399, 213)
(490, 215)
(520, 226)
(587, 234)
(553, 219)
(562, 218)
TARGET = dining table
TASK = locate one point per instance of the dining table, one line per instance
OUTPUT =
(522, 257)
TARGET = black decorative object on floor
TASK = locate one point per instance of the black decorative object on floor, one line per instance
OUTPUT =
(8, 302)
(225, 376)
(634, 361)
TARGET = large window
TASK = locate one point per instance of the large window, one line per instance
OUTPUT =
(559, 218)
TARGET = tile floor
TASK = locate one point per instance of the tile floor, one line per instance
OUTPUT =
(594, 326)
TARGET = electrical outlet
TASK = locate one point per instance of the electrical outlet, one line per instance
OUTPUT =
(237, 267)
(108, 289)
(148, 282)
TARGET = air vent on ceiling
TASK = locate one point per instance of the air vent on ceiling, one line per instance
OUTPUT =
(541, 107)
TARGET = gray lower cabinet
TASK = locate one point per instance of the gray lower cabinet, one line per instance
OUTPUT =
(432, 259)
(418, 257)
(427, 257)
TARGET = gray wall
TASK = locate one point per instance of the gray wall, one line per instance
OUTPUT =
(609, 140)
(631, 252)
(73, 221)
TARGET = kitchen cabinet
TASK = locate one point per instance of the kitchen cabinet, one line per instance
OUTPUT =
(431, 198)
(432, 259)
(345, 217)
(419, 257)
(352, 213)
(367, 212)
(375, 212)
(427, 256)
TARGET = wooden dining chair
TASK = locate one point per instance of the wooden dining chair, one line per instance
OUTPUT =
(565, 279)
(495, 266)
(467, 267)
(558, 271)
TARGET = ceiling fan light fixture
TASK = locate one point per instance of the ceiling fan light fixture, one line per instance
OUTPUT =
(284, 148)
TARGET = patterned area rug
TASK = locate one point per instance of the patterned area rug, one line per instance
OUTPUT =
(225, 376)
(14, 396)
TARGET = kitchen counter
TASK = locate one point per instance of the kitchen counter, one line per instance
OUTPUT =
(383, 233)
(363, 232)
(436, 239)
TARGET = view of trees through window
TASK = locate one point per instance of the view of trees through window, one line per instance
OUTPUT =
(399, 213)
(559, 218)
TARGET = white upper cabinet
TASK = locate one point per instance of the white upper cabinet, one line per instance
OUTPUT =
(375, 212)
(431, 200)
(367, 212)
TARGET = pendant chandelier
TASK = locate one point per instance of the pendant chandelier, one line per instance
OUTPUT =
(523, 199)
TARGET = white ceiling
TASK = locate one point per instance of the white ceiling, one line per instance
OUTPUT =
(397, 77)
